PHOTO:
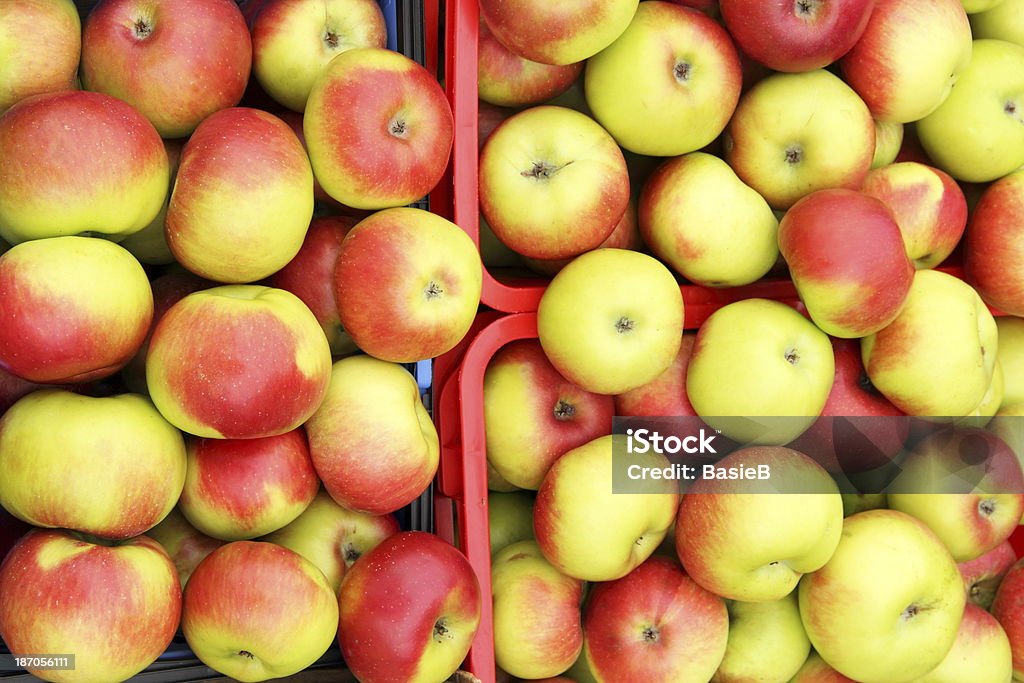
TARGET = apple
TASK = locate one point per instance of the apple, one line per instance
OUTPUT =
(587, 530)
(666, 393)
(29, 30)
(936, 359)
(1011, 357)
(977, 134)
(293, 40)
(149, 245)
(1004, 21)
(886, 606)
(532, 415)
(1008, 608)
(719, 517)
(673, 56)
(760, 358)
(766, 642)
(58, 592)
(13, 387)
(186, 545)
(611, 320)
(537, 629)
(410, 609)
(509, 518)
(238, 362)
(557, 33)
(243, 197)
(983, 574)
(654, 624)
(254, 611)
(75, 309)
(980, 653)
(861, 502)
(407, 283)
(310, 273)
(320, 196)
(793, 134)
(557, 195)
(78, 162)
(909, 57)
(992, 243)
(990, 402)
(333, 537)
(888, 142)
(815, 670)
(507, 80)
(798, 36)
(974, 6)
(390, 151)
(176, 61)
(687, 194)
(372, 442)
(846, 257)
(489, 117)
(496, 483)
(966, 484)
(625, 235)
(114, 468)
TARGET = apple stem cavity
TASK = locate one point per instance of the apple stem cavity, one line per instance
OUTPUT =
(911, 611)
(624, 325)
(792, 357)
(142, 29)
(331, 40)
(987, 507)
(682, 71)
(246, 654)
(441, 630)
(564, 410)
(806, 9)
(651, 634)
(350, 554)
(1014, 111)
(794, 154)
(433, 291)
(398, 128)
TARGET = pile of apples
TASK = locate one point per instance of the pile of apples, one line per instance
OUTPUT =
(203, 218)
(871, 151)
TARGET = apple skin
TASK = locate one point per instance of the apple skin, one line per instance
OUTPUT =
(561, 194)
(176, 61)
(893, 635)
(293, 40)
(410, 609)
(886, 67)
(114, 468)
(718, 517)
(846, 257)
(981, 652)
(509, 518)
(75, 309)
(666, 393)
(29, 30)
(983, 574)
(1008, 609)
(370, 157)
(507, 80)
(532, 415)
(928, 205)
(766, 642)
(815, 670)
(407, 283)
(373, 443)
(537, 629)
(310, 273)
(686, 194)
(654, 624)
(793, 134)
(975, 6)
(675, 56)
(784, 355)
(243, 197)
(888, 142)
(1005, 21)
(937, 358)
(238, 362)
(587, 531)
(56, 593)
(991, 247)
(186, 545)
(254, 611)
(333, 537)
(149, 245)
(1011, 357)
(78, 162)
(629, 310)
(625, 235)
(557, 33)
(977, 134)
(796, 37)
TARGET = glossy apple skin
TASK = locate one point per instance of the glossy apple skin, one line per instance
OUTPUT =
(78, 162)
(176, 61)
(56, 593)
(655, 603)
(786, 36)
(846, 257)
(43, 41)
(409, 610)
(980, 653)
(666, 393)
(149, 245)
(993, 243)
(983, 574)
(1008, 609)
(507, 80)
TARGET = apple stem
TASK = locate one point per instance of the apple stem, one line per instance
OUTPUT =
(542, 170)
(331, 40)
(441, 630)
(651, 634)
(987, 507)
(623, 325)
(1011, 109)
(433, 291)
(142, 29)
(792, 357)
(682, 71)
(246, 654)
(794, 154)
(564, 410)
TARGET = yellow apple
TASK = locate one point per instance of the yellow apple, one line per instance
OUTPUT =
(767, 642)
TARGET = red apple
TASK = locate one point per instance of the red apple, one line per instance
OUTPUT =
(176, 61)
(994, 244)
(409, 610)
(114, 606)
(625, 235)
(666, 394)
(489, 117)
(654, 624)
(983, 574)
(796, 36)
(507, 80)
(816, 670)
(1008, 609)
(42, 42)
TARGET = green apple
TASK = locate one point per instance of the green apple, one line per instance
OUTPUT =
(509, 518)
(1005, 21)
(888, 140)
(611, 320)
(887, 605)
(977, 134)
(760, 358)
(1011, 358)
(980, 654)
(767, 642)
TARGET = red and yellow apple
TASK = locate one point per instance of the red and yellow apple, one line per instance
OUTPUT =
(42, 42)
(186, 545)
(505, 79)
(995, 238)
